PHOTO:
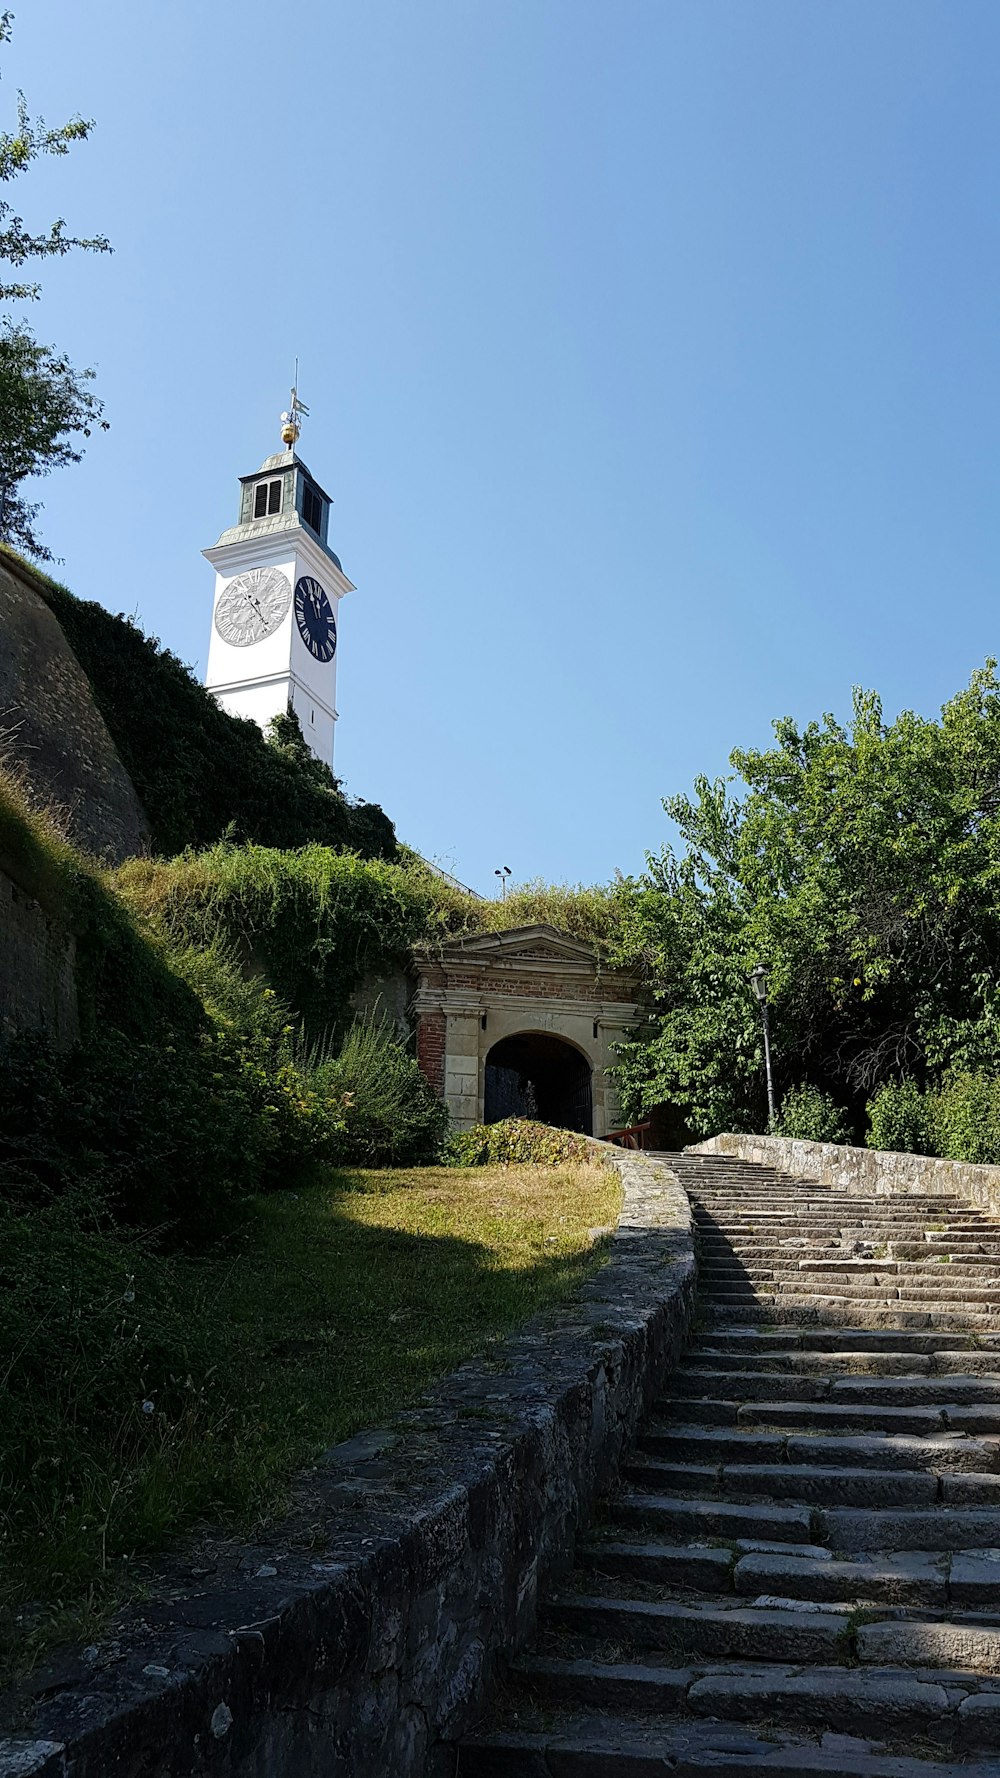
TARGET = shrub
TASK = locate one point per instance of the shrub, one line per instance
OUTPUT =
(900, 1119)
(812, 1116)
(391, 1117)
(965, 1119)
(515, 1141)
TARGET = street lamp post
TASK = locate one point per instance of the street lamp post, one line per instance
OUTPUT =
(503, 875)
(759, 980)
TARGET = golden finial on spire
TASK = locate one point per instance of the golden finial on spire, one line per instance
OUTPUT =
(297, 411)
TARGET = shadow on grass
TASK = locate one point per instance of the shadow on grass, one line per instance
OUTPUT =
(139, 1391)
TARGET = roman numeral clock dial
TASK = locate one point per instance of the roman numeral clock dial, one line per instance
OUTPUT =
(252, 606)
(315, 619)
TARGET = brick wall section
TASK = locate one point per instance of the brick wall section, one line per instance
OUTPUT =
(431, 1039)
(520, 984)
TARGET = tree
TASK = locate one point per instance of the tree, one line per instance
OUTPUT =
(861, 864)
(45, 405)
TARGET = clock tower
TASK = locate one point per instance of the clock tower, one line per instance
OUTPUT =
(278, 585)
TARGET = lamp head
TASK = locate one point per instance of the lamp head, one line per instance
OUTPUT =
(758, 979)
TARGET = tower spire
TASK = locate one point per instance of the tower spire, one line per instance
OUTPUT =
(291, 423)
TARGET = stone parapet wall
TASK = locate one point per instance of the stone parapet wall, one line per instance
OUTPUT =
(368, 1633)
(862, 1169)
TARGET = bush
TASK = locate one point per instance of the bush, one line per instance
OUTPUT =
(812, 1116)
(391, 1117)
(965, 1119)
(515, 1141)
(901, 1119)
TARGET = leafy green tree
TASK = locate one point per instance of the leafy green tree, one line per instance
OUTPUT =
(46, 407)
(861, 864)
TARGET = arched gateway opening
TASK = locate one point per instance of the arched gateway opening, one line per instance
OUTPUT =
(537, 1075)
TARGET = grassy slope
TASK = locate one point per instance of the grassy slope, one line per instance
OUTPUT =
(333, 1309)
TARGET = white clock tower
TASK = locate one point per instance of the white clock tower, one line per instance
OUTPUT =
(278, 586)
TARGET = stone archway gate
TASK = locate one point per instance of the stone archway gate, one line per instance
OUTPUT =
(474, 991)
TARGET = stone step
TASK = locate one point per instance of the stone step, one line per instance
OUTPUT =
(809, 1483)
(604, 1746)
(704, 1567)
(830, 1269)
(822, 1417)
(870, 1315)
(724, 1629)
(800, 1569)
(779, 1361)
(857, 1531)
(729, 1520)
(880, 1451)
(752, 1340)
(695, 1380)
(858, 1702)
(834, 1311)
(736, 1285)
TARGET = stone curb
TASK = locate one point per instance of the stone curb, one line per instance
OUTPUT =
(376, 1620)
(861, 1169)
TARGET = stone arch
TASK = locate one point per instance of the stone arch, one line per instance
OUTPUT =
(476, 991)
(540, 1074)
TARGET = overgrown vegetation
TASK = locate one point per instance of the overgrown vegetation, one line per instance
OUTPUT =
(201, 773)
(189, 1090)
(142, 1389)
(861, 865)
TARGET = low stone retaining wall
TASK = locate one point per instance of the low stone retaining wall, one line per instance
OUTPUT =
(371, 1626)
(862, 1169)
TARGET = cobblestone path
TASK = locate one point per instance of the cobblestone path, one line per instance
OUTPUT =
(800, 1572)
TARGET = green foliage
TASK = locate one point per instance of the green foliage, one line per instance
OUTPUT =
(965, 1119)
(187, 1093)
(811, 1116)
(515, 1141)
(316, 922)
(960, 1120)
(900, 1120)
(201, 773)
(861, 864)
(46, 406)
(391, 1116)
(18, 149)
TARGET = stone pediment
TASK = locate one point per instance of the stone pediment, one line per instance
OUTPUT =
(530, 945)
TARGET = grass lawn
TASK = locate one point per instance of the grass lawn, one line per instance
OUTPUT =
(138, 1393)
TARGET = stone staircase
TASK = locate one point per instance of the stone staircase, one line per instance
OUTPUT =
(800, 1571)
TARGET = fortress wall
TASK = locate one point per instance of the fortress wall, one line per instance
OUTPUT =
(51, 730)
(37, 968)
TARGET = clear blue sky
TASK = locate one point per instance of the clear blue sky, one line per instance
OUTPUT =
(653, 352)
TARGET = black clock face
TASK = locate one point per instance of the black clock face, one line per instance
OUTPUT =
(314, 616)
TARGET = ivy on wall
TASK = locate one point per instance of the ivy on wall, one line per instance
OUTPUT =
(200, 772)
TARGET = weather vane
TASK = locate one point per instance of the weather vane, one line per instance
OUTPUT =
(297, 411)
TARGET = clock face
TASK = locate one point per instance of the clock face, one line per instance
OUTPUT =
(314, 616)
(252, 606)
